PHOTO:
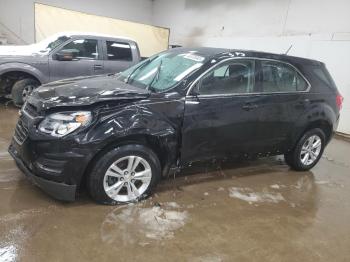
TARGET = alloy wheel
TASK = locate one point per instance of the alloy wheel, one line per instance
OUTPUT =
(127, 178)
(28, 89)
(310, 150)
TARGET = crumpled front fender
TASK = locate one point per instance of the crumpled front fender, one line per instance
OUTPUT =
(140, 121)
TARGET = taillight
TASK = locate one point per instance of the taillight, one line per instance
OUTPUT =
(339, 101)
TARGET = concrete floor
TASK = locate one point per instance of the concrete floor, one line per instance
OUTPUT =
(253, 211)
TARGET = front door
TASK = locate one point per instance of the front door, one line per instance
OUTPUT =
(87, 62)
(220, 116)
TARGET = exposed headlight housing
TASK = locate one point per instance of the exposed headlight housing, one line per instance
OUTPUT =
(63, 123)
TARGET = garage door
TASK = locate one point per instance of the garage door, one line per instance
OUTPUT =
(50, 20)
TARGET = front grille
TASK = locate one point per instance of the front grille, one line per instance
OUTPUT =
(21, 132)
(30, 110)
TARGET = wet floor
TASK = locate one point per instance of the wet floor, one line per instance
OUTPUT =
(252, 211)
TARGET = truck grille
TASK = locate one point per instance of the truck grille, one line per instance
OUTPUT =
(30, 110)
(21, 132)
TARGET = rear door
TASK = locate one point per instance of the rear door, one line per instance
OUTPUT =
(281, 99)
(220, 117)
(119, 55)
(89, 60)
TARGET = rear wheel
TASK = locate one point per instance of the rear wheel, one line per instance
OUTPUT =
(308, 150)
(22, 89)
(124, 174)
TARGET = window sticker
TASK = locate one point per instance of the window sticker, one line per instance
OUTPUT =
(193, 57)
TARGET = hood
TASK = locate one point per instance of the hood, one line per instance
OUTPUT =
(84, 91)
(19, 50)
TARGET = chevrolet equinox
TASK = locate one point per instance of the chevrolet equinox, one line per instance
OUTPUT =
(120, 133)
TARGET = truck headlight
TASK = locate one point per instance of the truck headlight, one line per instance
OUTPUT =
(63, 123)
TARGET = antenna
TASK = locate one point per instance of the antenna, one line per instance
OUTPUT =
(286, 53)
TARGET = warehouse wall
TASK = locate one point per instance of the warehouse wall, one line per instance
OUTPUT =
(17, 16)
(318, 29)
(191, 20)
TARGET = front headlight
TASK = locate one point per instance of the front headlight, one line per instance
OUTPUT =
(61, 124)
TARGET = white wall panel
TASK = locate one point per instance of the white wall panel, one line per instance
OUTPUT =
(318, 29)
(50, 20)
(18, 15)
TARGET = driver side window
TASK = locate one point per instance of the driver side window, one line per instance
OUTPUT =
(83, 48)
(234, 77)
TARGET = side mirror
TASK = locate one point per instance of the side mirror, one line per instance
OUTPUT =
(67, 54)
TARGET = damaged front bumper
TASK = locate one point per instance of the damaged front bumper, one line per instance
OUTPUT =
(57, 190)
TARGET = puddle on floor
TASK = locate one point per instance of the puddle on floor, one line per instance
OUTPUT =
(248, 195)
(137, 224)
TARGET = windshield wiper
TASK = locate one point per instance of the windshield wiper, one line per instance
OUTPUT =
(156, 77)
(127, 80)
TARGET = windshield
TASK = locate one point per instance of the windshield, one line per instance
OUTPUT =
(162, 71)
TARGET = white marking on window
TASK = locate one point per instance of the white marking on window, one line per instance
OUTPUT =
(79, 41)
(186, 72)
(120, 45)
(150, 73)
(193, 57)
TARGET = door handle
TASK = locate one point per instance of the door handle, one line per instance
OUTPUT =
(249, 106)
(98, 67)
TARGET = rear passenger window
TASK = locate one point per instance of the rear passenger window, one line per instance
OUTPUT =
(281, 77)
(118, 51)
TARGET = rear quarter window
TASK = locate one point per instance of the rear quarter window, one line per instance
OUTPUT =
(322, 74)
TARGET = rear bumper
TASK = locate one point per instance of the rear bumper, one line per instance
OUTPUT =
(60, 191)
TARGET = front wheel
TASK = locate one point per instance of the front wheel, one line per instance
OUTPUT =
(307, 151)
(22, 89)
(125, 174)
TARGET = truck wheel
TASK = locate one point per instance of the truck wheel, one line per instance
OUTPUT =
(307, 151)
(124, 174)
(22, 89)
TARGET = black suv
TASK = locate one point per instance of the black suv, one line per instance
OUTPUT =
(122, 133)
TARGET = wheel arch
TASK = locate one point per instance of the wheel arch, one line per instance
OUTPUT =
(19, 75)
(320, 115)
(21, 71)
(155, 143)
(322, 124)
(9, 78)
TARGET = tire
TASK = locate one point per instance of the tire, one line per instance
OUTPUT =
(303, 161)
(103, 175)
(22, 89)
(288, 159)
